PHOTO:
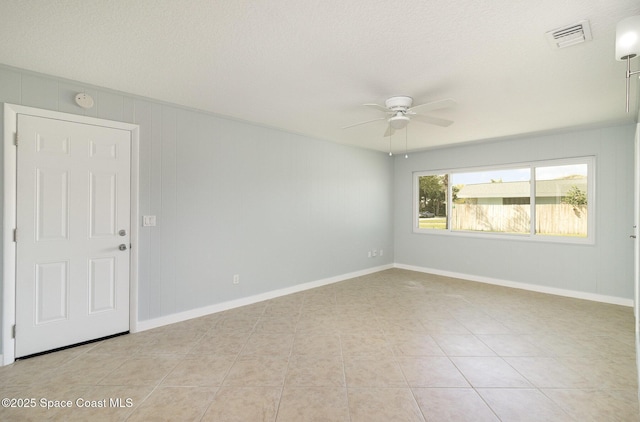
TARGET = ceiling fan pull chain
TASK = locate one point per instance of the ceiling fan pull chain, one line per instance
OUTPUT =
(406, 142)
(390, 134)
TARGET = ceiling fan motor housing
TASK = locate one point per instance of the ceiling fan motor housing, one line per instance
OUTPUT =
(399, 103)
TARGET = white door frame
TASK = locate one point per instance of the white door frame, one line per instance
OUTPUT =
(636, 234)
(636, 243)
(11, 112)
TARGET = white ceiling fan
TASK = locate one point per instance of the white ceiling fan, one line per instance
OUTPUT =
(400, 111)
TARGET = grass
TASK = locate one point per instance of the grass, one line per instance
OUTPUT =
(433, 223)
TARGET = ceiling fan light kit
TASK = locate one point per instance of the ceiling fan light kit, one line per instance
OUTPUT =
(399, 121)
(628, 45)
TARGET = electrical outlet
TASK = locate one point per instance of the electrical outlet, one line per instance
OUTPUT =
(369, 254)
(236, 278)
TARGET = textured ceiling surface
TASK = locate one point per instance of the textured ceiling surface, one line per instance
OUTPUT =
(308, 66)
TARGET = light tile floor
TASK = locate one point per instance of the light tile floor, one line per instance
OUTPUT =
(391, 346)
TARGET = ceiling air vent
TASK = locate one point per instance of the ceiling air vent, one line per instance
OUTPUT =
(569, 35)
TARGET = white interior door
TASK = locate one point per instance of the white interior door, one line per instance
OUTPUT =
(73, 218)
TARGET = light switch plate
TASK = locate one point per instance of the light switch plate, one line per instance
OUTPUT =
(148, 220)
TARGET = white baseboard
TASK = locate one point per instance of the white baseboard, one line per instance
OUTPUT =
(524, 286)
(224, 306)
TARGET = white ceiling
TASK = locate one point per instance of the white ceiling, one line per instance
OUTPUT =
(307, 66)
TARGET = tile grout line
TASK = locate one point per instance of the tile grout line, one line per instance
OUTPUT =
(230, 367)
(344, 376)
(286, 371)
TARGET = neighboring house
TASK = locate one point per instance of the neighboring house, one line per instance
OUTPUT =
(507, 193)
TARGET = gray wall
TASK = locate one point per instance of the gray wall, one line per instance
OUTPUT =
(604, 268)
(282, 209)
(231, 197)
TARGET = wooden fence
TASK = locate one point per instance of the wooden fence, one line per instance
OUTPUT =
(551, 219)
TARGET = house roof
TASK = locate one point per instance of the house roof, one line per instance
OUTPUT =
(544, 188)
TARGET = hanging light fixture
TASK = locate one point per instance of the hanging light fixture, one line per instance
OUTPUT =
(628, 45)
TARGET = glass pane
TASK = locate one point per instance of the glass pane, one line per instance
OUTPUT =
(496, 201)
(432, 209)
(561, 200)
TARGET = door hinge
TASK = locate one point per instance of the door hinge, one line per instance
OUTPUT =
(15, 235)
(13, 331)
(15, 140)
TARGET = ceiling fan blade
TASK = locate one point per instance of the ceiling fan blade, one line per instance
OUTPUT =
(364, 123)
(390, 131)
(434, 105)
(378, 107)
(432, 120)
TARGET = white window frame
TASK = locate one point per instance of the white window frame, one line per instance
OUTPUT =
(590, 239)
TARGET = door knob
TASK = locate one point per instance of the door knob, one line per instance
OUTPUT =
(122, 232)
(122, 247)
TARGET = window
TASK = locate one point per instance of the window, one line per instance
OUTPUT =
(561, 200)
(432, 207)
(541, 200)
(491, 201)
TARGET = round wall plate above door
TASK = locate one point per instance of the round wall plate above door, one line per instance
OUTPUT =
(84, 100)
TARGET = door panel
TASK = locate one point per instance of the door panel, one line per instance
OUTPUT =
(52, 206)
(102, 202)
(52, 284)
(102, 284)
(73, 199)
